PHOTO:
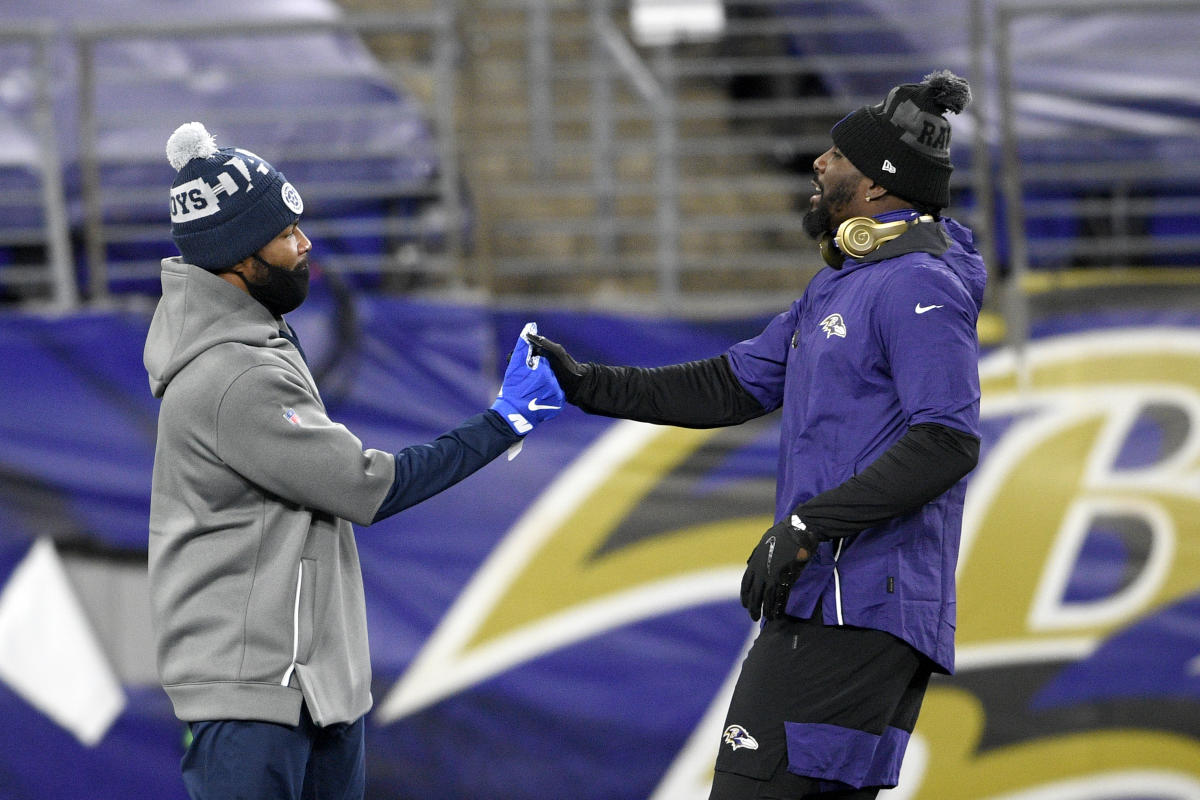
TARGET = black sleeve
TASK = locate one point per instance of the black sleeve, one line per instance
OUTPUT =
(695, 394)
(423, 470)
(923, 464)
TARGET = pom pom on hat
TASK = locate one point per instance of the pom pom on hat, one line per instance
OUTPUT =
(226, 202)
(948, 90)
(190, 140)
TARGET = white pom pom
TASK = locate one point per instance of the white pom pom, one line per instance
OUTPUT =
(190, 140)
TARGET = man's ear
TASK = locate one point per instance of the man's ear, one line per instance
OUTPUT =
(247, 269)
(237, 272)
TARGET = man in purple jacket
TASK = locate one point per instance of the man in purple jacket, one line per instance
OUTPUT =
(876, 371)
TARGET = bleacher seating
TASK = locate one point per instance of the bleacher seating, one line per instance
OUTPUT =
(280, 78)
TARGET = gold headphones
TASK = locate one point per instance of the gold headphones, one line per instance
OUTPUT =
(860, 236)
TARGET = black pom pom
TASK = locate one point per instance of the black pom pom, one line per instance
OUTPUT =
(948, 90)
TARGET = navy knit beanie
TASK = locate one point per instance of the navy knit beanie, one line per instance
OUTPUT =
(226, 203)
(903, 143)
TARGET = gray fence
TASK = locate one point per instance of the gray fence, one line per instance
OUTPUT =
(599, 171)
(673, 176)
(670, 173)
(36, 237)
(427, 66)
(104, 241)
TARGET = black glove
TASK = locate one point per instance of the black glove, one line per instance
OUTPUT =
(774, 564)
(570, 373)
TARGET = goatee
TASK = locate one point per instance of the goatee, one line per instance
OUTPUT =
(817, 221)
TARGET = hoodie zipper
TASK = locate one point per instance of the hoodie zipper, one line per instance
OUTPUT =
(287, 676)
(837, 582)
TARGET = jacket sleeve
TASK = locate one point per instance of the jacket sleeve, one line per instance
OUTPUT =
(922, 464)
(275, 433)
(926, 323)
(695, 394)
(423, 470)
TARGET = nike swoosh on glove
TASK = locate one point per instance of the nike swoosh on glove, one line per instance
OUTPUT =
(774, 564)
(529, 394)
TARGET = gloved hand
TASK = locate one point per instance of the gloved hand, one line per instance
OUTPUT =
(774, 564)
(530, 394)
(570, 373)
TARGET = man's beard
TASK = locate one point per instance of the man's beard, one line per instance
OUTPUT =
(818, 220)
(281, 289)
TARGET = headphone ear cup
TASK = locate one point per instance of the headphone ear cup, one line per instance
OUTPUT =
(860, 236)
(856, 237)
(829, 253)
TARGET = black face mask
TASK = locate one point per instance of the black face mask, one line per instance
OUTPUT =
(284, 289)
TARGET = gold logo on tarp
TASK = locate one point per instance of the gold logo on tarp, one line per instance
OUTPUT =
(1068, 463)
(592, 554)
(1057, 462)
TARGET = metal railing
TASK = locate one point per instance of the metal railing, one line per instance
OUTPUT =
(424, 240)
(1101, 189)
(669, 182)
(35, 241)
(669, 177)
(658, 93)
(752, 98)
(1109, 197)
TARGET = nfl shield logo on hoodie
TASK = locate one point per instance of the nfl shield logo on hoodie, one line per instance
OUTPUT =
(291, 416)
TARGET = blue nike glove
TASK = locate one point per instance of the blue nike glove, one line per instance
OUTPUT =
(530, 393)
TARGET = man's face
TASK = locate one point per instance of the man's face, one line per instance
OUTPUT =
(288, 250)
(277, 275)
(837, 184)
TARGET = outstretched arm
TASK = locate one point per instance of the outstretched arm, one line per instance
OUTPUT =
(695, 394)
(528, 396)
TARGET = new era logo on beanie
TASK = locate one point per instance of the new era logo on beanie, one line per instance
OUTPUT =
(226, 203)
(903, 143)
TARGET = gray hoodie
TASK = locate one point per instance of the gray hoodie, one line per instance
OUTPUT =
(255, 586)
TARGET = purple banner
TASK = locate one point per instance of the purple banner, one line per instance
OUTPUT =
(566, 624)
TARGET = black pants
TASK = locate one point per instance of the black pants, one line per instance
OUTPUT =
(727, 786)
(801, 672)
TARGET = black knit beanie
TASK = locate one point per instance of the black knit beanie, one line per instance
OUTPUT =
(903, 143)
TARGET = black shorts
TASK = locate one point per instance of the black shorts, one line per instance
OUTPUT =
(859, 690)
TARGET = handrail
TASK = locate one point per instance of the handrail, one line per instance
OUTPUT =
(622, 52)
(64, 293)
(661, 101)
(441, 22)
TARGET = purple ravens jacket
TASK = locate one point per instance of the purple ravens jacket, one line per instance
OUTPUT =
(886, 342)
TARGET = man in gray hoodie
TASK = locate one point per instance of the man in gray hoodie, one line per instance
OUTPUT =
(256, 591)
